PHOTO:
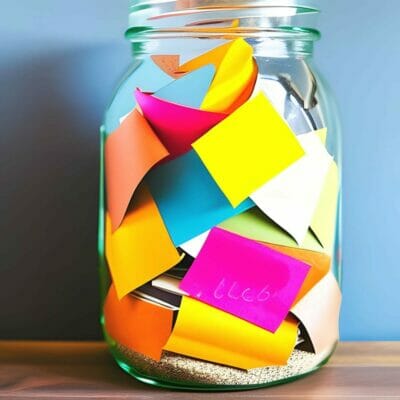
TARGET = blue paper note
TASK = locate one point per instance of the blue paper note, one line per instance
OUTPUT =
(189, 90)
(188, 198)
(145, 75)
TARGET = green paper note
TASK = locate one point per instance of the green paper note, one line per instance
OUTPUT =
(324, 220)
(255, 225)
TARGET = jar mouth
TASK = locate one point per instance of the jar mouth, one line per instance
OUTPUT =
(281, 19)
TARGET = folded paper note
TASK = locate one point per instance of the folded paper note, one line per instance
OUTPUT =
(319, 313)
(132, 255)
(232, 77)
(136, 324)
(319, 262)
(188, 199)
(204, 332)
(245, 278)
(324, 218)
(190, 89)
(248, 148)
(177, 126)
(130, 152)
(255, 225)
(290, 198)
(169, 63)
(138, 77)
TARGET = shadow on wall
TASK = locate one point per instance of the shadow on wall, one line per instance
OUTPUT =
(50, 114)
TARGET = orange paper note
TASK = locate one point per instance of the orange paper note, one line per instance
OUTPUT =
(136, 324)
(140, 249)
(319, 263)
(207, 333)
(130, 152)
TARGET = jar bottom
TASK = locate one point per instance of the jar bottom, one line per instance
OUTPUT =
(179, 372)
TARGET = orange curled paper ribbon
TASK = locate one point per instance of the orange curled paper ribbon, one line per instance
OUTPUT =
(130, 152)
(136, 324)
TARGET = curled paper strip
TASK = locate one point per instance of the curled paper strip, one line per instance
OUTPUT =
(130, 152)
(136, 324)
(232, 80)
(177, 126)
(204, 332)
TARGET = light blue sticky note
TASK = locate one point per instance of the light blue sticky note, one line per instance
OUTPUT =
(145, 75)
(189, 90)
(188, 198)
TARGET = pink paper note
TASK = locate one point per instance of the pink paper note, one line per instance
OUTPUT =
(245, 278)
(177, 126)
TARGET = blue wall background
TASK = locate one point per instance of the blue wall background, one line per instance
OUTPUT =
(59, 62)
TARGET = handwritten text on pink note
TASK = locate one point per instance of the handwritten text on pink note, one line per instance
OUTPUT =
(245, 278)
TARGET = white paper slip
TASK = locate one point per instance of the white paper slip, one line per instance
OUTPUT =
(168, 284)
(193, 246)
(318, 311)
(291, 197)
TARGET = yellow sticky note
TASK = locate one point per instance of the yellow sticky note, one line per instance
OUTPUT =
(140, 249)
(248, 148)
(324, 220)
(232, 78)
(204, 332)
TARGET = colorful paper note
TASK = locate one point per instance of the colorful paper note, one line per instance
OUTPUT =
(232, 77)
(291, 197)
(140, 249)
(204, 332)
(245, 278)
(137, 325)
(319, 262)
(177, 126)
(248, 148)
(169, 63)
(255, 225)
(190, 89)
(324, 219)
(188, 199)
(138, 77)
(130, 152)
(319, 313)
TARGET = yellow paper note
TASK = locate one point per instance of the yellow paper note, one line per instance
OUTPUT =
(204, 332)
(140, 249)
(232, 78)
(248, 148)
(324, 220)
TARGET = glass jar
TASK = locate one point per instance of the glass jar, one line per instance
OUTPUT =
(219, 219)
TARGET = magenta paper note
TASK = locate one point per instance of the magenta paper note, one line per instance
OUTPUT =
(245, 278)
(177, 126)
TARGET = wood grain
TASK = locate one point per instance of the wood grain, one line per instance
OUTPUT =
(66, 371)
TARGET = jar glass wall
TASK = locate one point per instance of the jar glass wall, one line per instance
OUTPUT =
(158, 332)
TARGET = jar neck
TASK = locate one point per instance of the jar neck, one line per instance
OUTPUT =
(275, 28)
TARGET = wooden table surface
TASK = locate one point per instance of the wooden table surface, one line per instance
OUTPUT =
(71, 371)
